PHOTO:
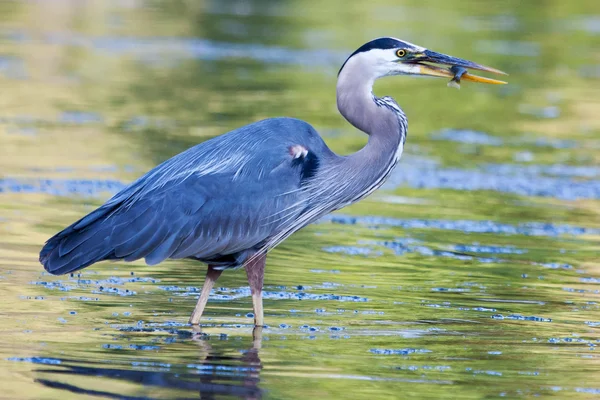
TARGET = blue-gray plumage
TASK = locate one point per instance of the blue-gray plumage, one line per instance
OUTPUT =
(231, 199)
(213, 202)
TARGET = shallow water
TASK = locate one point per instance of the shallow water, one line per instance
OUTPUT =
(475, 272)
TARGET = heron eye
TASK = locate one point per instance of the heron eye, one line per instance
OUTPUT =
(401, 53)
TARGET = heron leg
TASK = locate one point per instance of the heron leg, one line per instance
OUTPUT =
(211, 277)
(255, 270)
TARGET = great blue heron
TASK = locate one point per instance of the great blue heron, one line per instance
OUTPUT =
(229, 200)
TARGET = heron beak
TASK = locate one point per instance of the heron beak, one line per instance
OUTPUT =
(425, 60)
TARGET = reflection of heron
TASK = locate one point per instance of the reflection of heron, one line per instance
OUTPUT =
(244, 383)
(231, 199)
(218, 374)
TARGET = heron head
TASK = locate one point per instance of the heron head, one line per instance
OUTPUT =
(389, 56)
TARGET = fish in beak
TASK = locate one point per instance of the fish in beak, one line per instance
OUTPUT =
(431, 63)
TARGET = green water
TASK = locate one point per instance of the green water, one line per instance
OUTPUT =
(474, 274)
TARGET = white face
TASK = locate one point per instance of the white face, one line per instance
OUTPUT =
(377, 63)
(388, 56)
(386, 62)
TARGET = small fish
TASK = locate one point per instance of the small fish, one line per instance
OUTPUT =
(458, 73)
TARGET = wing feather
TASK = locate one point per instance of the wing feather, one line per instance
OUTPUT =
(217, 199)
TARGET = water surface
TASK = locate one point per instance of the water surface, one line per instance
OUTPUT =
(474, 273)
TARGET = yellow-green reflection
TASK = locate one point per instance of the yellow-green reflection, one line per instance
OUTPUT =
(104, 91)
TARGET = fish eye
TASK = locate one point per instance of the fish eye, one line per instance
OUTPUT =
(401, 53)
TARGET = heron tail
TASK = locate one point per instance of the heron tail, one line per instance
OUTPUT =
(80, 245)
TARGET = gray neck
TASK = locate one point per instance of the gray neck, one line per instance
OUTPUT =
(356, 102)
(381, 119)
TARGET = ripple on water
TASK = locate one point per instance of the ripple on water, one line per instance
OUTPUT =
(573, 340)
(590, 279)
(488, 372)
(408, 245)
(586, 23)
(80, 117)
(526, 228)
(36, 360)
(13, 67)
(70, 117)
(519, 317)
(401, 352)
(439, 368)
(546, 112)
(140, 122)
(426, 177)
(62, 187)
(351, 250)
(588, 390)
(583, 171)
(555, 265)
(477, 248)
(325, 271)
(467, 136)
(242, 292)
(100, 286)
(151, 364)
(451, 290)
(590, 71)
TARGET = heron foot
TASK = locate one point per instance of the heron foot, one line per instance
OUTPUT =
(211, 277)
(257, 305)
